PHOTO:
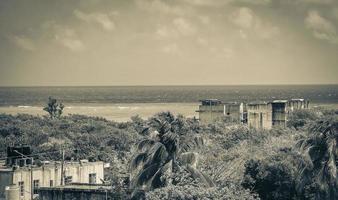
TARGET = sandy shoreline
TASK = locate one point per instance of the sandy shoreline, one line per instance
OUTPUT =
(122, 111)
(117, 112)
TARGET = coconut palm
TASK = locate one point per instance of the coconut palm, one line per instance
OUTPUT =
(318, 171)
(157, 156)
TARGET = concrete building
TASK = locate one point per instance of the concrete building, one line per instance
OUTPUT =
(17, 178)
(296, 104)
(212, 110)
(259, 115)
(279, 112)
(234, 110)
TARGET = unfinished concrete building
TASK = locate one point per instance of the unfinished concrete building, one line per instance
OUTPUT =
(279, 112)
(297, 104)
(212, 110)
(259, 115)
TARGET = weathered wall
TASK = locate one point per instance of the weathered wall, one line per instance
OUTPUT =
(279, 114)
(209, 114)
(260, 116)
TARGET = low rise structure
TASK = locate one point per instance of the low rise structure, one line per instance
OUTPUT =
(22, 179)
(279, 112)
(212, 110)
(296, 104)
(259, 115)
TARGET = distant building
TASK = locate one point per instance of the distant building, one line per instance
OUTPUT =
(259, 115)
(265, 115)
(212, 110)
(296, 104)
(279, 112)
(19, 178)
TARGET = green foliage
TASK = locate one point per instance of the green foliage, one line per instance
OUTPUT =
(54, 108)
(177, 158)
(271, 178)
(318, 168)
(299, 118)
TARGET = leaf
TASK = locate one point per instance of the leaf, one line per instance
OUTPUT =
(137, 160)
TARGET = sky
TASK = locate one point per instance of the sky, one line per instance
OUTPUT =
(168, 42)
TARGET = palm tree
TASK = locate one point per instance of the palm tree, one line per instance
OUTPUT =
(318, 170)
(157, 157)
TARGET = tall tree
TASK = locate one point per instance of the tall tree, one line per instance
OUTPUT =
(157, 156)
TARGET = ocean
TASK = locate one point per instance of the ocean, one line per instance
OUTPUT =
(121, 102)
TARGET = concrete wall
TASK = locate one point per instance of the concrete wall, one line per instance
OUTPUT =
(279, 114)
(210, 114)
(260, 116)
(234, 111)
(79, 172)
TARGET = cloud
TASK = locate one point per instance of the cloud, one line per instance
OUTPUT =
(183, 26)
(315, 1)
(179, 27)
(202, 41)
(243, 17)
(335, 13)
(250, 24)
(65, 36)
(99, 18)
(161, 7)
(72, 44)
(171, 49)
(204, 19)
(321, 28)
(23, 42)
(224, 2)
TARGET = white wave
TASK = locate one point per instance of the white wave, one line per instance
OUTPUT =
(24, 106)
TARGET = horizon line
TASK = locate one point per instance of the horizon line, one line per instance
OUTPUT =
(173, 85)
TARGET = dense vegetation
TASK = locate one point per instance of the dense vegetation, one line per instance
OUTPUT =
(172, 157)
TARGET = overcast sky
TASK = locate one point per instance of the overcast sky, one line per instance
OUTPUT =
(168, 42)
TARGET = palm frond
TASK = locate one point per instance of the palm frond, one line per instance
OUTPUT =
(146, 175)
(140, 158)
(157, 154)
(199, 176)
(145, 144)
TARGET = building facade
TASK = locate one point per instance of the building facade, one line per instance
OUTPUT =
(259, 115)
(28, 178)
(211, 110)
(279, 113)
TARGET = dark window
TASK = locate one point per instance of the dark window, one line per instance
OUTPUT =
(92, 178)
(21, 188)
(51, 183)
(68, 180)
(35, 186)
